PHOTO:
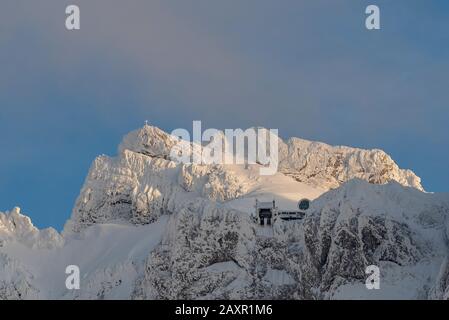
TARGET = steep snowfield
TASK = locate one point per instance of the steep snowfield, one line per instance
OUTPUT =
(147, 227)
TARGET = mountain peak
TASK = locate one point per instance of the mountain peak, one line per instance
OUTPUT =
(315, 163)
(148, 221)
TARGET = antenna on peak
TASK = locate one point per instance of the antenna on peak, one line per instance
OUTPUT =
(146, 123)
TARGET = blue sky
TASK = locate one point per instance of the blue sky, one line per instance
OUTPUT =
(308, 68)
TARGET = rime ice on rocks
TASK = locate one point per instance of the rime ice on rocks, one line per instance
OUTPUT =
(147, 227)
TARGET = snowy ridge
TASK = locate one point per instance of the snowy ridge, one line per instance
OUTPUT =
(15, 226)
(147, 227)
(15, 280)
(320, 164)
(327, 167)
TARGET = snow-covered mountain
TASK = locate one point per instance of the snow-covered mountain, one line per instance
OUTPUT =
(147, 227)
